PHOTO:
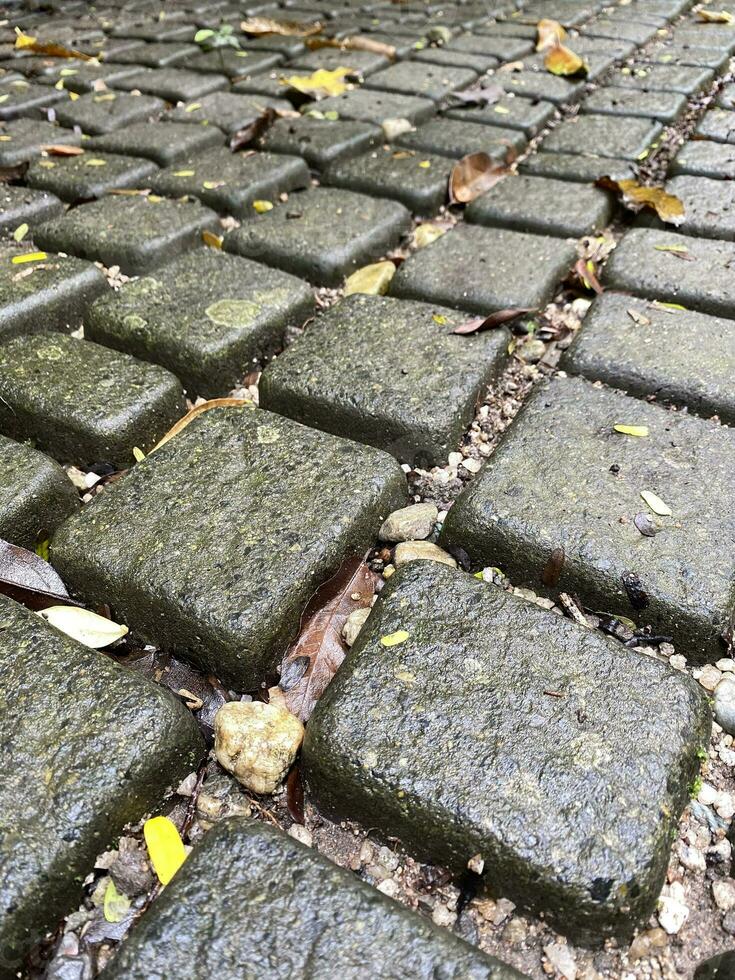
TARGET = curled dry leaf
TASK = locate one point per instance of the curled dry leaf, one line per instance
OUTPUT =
(321, 83)
(549, 33)
(479, 323)
(586, 272)
(562, 61)
(288, 28)
(199, 410)
(26, 42)
(355, 42)
(371, 279)
(62, 150)
(27, 578)
(473, 175)
(636, 196)
(254, 131)
(83, 625)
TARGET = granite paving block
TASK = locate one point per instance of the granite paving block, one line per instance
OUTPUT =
(726, 97)
(361, 63)
(270, 86)
(322, 234)
(321, 141)
(718, 125)
(542, 206)
(297, 928)
(172, 84)
(628, 30)
(646, 263)
(214, 544)
(564, 483)
(675, 355)
(135, 233)
(528, 115)
(36, 495)
(485, 269)
(621, 138)
(166, 30)
(688, 54)
(208, 316)
(234, 63)
(225, 110)
(598, 62)
(164, 143)
(163, 54)
(416, 179)
(89, 175)
(502, 48)
(22, 98)
(23, 139)
(87, 76)
(428, 81)
(231, 182)
(665, 78)
(23, 205)
(707, 35)
(541, 85)
(376, 107)
(456, 138)
(705, 158)
(88, 746)
(102, 112)
(581, 168)
(456, 59)
(413, 399)
(612, 100)
(709, 210)
(50, 292)
(548, 790)
(94, 409)
(290, 47)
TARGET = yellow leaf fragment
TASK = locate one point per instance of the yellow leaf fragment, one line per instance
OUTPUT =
(676, 249)
(42, 549)
(371, 279)
(193, 106)
(668, 307)
(425, 164)
(20, 232)
(321, 83)
(213, 241)
(262, 207)
(84, 626)
(115, 906)
(667, 206)
(715, 17)
(656, 503)
(640, 431)
(138, 454)
(95, 162)
(426, 234)
(29, 257)
(564, 62)
(549, 34)
(440, 319)
(184, 173)
(393, 639)
(165, 847)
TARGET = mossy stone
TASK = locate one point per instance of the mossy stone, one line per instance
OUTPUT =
(88, 747)
(23, 205)
(171, 84)
(321, 142)
(376, 107)
(705, 158)
(36, 495)
(164, 143)
(456, 138)
(427, 81)
(619, 137)
(225, 110)
(89, 175)
(570, 799)
(214, 544)
(83, 403)
(23, 139)
(509, 112)
(135, 233)
(22, 98)
(563, 478)
(612, 100)
(208, 316)
(97, 113)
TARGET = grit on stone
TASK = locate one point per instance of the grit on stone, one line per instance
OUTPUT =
(542, 760)
(89, 175)
(558, 502)
(514, 113)
(23, 139)
(414, 79)
(172, 84)
(618, 137)
(665, 78)
(321, 141)
(88, 746)
(582, 168)
(403, 383)
(164, 143)
(705, 158)
(251, 901)
(454, 138)
(213, 545)
(208, 316)
(666, 107)
(23, 205)
(83, 403)
(102, 112)
(485, 269)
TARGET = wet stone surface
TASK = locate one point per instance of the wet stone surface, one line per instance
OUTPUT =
(548, 789)
(563, 478)
(103, 112)
(321, 142)
(23, 205)
(164, 143)
(87, 747)
(208, 316)
(89, 175)
(413, 401)
(608, 136)
(270, 509)
(230, 883)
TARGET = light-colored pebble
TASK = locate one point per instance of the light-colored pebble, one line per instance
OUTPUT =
(561, 958)
(724, 704)
(672, 909)
(709, 677)
(390, 888)
(301, 834)
(256, 742)
(421, 551)
(646, 943)
(723, 892)
(353, 624)
(412, 523)
(692, 858)
(726, 665)
(707, 794)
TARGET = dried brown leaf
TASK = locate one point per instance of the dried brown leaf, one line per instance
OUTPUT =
(479, 323)
(288, 28)
(204, 407)
(27, 578)
(473, 175)
(25, 42)
(637, 196)
(355, 42)
(549, 33)
(254, 131)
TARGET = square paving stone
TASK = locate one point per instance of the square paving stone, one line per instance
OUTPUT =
(290, 47)
(215, 543)
(86, 76)
(228, 881)
(234, 63)
(564, 479)
(321, 141)
(209, 317)
(687, 54)
(88, 175)
(483, 269)
(666, 107)
(360, 63)
(23, 205)
(102, 112)
(543, 206)
(629, 30)
(456, 138)
(456, 59)
(726, 97)
(418, 180)
(225, 110)
(707, 35)
(705, 158)
(229, 181)
(48, 293)
(164, 143)
(95, 410)
(718, 125)
(622, 138)
(89, 746)
(527, 115)
(36, 495)
(598, 62)
(548, 790)
(322, 234)
(136, 233)
(541, 85)
(22, 98)
(709, 207)
(172, 84)
(23, 139)
(644, 263)
(428, 81)
(377, 107)
(678, 356)
(270, 86)
(578, 167)
(163, 54)
(503, 48)
(665, 78)
(386, 372)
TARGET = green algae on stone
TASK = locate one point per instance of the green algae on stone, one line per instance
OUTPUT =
(214, 544)
(83, 403)
(165, 143)
(208, 316)
(88, 746)
(321, 141)
(563, 478)
(35, 494)
(618, 137)
(225, 916)
(23, 205)
(386, 372)
(542, 756)
(89, 175)
(102, 112)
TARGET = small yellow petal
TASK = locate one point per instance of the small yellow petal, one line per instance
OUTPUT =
(262, 206)
(165, 847)
(641, 431)
(184, 173)
(29, 257)
(393, 639)
(20, 232)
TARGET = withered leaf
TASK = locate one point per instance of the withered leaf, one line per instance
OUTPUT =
(473, 175)
(479, 323)
(636, 196)
(549, 33)
(586, 272)
(553, 568)
(564, 62)
(637, 595)
(62, 150)
(487, 95)
(254, 131)
(198, 410)
(25, 42)
(30, 580)
(288, 28)
(638, 317)
(354, 42)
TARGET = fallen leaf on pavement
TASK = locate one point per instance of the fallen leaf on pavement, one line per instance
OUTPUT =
(636, 196)
(354, 42)
(656, 503)
(638, 317)
(371, 279)
(288, 28)
(26, 42)
(27, 578)
(427, 233)
(165, 847)
(586, 272)
(680, 251)
(564, 62)
(62, 150)
(396, 127)
(255, 130)
(473, 175)
(640, 431)
(486, 95)
(210, 239)
(321, 83)
(497, 319)
(715, 17)
(116, 905)
(84, 625)
(198, 410)
(549, 34)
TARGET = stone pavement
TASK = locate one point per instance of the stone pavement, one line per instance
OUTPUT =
(179, 219)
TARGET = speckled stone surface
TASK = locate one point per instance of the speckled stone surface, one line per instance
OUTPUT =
(612, 100)
(514, 113)
(276, 908)
(541, 85)
(24, 205)
(709, 207)
(86, 75)
(485, 269)
(580, 168)
(678, 356)
(321, 141)
(550, 485)
(156, 54)
(35, 494)
(22, 139)
(622, 138)
(208, 316)
(134, 233)
(215, 543)
(665, 78)
(360, 63)
(22, 98)
(377, 106)
(705, 158)
(426, 81)
(233, 63)
(705, 282)
(102, 112)
(456, 138)
(89, 175)
(47, 294)
(83, 403)
(717, 124)
(322, 234)
(88, 746)
(171, 84)
(164, 143)
(225, 110)
(401, 382)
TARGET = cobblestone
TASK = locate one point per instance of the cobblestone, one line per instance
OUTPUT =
(165, 143)
(103, 112)
(21, 205)
(89, 175)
